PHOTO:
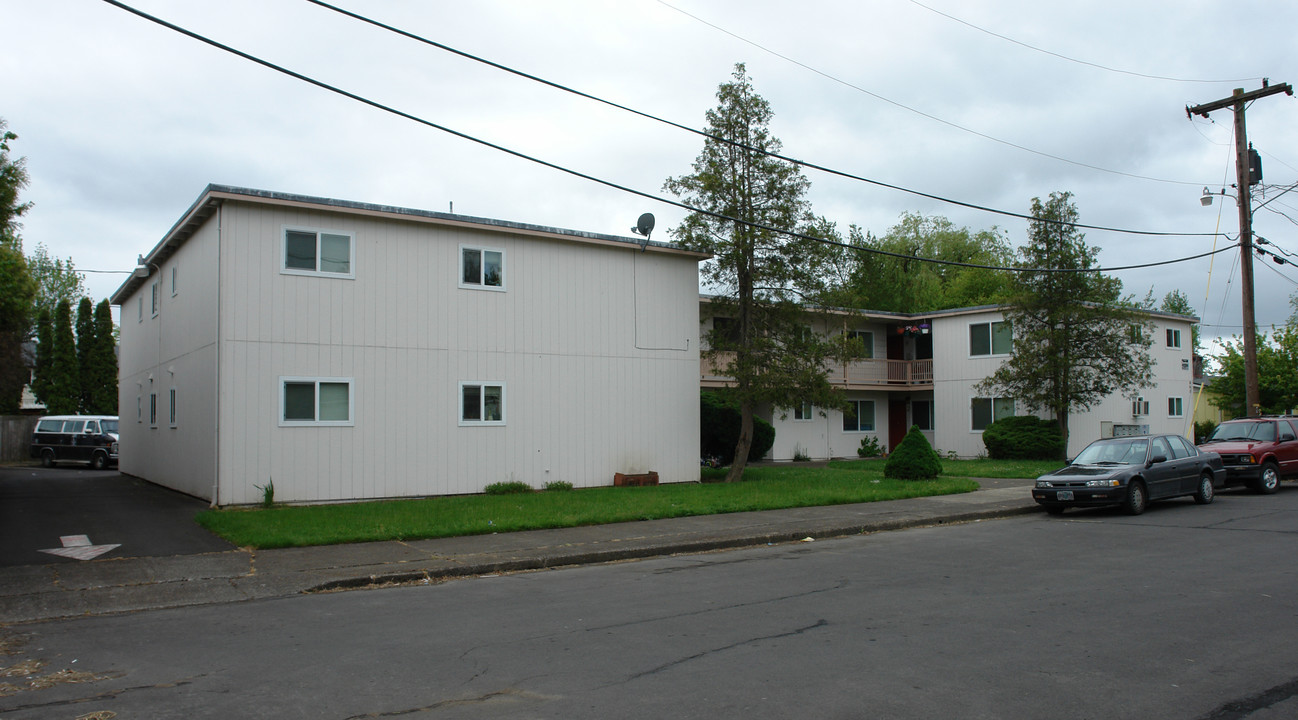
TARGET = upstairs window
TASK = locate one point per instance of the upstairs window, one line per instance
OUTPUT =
(313, 252)
(1139, 407)
(990, 338)
(482, 268)
(1173, 338)
(155, 299)
(867, 341)
(1175, 407)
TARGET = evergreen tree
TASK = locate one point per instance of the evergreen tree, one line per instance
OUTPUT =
(85, 339)
(1076, 339)
(761, 277)
(44, 344)
(102, 375)
(64, 383)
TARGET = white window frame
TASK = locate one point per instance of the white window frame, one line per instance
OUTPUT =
(154, 286)
(867, 341)
(480, 285)
(284, 269)
(173, 280)
(803, 412)
(1176, 407)
(153, 410)
(1139, 407)
(991, 339)
(284, 380)
(171, 410)
(856, 404)
(139, 409)
(139, 308)
(993, 400)
(931, 416)
(482, 400)
(1173, 338)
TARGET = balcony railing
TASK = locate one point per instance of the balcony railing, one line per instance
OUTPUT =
(868, 372)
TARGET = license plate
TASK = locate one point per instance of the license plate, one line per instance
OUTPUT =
(1064, 495)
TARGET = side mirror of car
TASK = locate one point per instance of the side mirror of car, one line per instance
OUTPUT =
(1157, 459)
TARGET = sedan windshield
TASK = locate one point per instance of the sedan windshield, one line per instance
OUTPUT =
(1261, 431)
(1114, 452)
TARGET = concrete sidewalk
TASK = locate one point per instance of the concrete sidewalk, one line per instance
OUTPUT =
(43, 592)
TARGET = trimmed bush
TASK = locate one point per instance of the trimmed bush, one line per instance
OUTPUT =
(507, 488)
(559, 485)
(1023, 437)
(719, 430)
(913, 458)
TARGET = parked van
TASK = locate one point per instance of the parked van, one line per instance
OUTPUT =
(81, 438)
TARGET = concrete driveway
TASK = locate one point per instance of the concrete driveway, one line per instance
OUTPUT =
(79, 512)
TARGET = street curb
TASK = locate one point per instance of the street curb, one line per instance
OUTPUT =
(684, 547)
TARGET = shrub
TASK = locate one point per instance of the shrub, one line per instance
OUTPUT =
(507, 488)
(719, 430)
(869, 447)
(558, 485)
(913, 458)
(1203, 429)
(1024, 437)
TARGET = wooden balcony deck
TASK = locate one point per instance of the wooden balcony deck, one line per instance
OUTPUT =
(864, 374)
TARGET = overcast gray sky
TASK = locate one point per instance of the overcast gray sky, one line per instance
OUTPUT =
(123, 122)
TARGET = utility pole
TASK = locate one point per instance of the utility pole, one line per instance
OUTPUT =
(1237, 102)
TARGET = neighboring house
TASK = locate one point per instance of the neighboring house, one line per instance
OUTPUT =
(347, 351)
(921, 370)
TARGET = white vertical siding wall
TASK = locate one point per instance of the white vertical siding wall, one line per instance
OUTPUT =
(955, 373)
(177, 348)
(597, 348)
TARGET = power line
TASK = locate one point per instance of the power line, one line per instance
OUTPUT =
(1074, 60)
(921, 113)
(795, 161)
(608, 183)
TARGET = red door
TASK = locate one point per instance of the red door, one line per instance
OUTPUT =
(897, 426)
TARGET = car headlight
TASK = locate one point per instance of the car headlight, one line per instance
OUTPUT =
(1102, 483)
(1044, 484)
(1247, 459)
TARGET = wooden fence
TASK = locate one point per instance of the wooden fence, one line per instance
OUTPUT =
(16, 437)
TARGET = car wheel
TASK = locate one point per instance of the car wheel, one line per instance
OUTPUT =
(47, 458)
(1054, 510)
(1269, 481)
(99, 461)
(1204, 494)
(1136, 500)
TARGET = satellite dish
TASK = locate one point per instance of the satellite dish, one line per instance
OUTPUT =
(644, 225)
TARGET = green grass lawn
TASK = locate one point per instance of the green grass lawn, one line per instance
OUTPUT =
(763, 488)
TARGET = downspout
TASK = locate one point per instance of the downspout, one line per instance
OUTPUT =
(216, 385)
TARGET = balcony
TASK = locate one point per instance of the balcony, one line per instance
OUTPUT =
(864, 374)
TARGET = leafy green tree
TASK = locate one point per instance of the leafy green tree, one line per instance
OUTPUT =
(1277, 373)
(64, 393)
(85, 339)
(876, 281)
(1077, 340)
(761, 277)
(55, 280)
(101, 375)
(1177, 302)
(16, 286)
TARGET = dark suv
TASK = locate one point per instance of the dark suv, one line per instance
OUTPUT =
(1257, 452)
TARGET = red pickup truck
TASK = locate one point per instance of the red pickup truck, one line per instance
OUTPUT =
(1257, 452)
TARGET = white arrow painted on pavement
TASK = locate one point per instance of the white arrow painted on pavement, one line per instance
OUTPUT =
(78, 547)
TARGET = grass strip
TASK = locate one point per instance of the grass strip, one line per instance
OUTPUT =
(763, 488)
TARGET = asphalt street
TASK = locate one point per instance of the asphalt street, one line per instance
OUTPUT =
(1185, 612)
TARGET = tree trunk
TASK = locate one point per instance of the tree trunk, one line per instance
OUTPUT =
(744, 444)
